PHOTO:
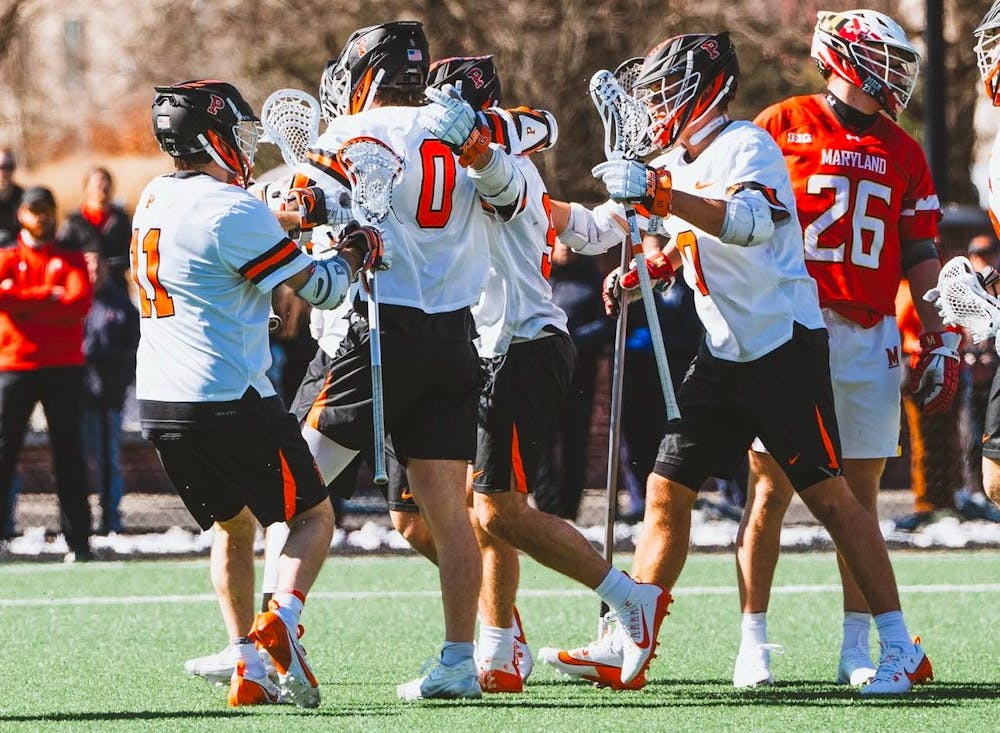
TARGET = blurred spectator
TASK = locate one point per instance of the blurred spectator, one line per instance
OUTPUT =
(576, 288)
(934, 438)
(10, 198)
(102, 230)
(99, 225)
(981, 364)
(111, 336)
(45, 294)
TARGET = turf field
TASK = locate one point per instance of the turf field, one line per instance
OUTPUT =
(101, 647)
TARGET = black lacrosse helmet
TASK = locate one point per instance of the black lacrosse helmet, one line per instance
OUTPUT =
(478, 75)
(683, 78)
(207, 116)
(398, 50)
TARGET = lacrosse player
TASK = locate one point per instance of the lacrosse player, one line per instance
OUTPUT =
(988, 58)
(868, 211)
(438, 262)
(205, 255)
(763, 369)
(528, 359)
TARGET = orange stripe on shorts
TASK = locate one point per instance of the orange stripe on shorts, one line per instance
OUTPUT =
(827, 443)
(287, 486)
(517, 465)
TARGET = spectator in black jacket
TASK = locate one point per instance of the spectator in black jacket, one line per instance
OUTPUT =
(111, 336)
(10, 199)
(99, 225)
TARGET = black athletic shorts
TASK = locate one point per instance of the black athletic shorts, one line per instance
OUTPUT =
(785, 397)
(430, 376)
(248, 452)
(991, 428)
(519, 408)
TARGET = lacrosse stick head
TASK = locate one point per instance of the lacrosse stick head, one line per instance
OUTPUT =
(290, 119)
(625, 118)
(683, 79)
(963, 301)
(373, 169)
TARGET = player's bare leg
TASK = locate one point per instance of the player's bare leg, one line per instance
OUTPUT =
(306, 548)
(495, 654)
(991, 479)
(662, 548)
(439, 489)
(413, 528)
(758, 544)
(232, 571)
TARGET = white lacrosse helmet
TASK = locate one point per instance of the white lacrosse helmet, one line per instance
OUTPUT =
(988, 52)
(869, 50)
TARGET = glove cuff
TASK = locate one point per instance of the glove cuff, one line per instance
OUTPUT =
(659, 186)
(950, 338)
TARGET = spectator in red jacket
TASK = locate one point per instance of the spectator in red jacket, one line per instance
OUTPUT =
(45, 293)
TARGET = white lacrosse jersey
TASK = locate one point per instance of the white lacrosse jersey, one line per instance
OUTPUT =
(517, 300)
(747, 297)
(435, 234)
(205, 256)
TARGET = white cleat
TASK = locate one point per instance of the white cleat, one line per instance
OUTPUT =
(522, 654)
(856, 667)
(899, 669)
(444, 682)
(753, 665)
(599, 661)
(295, 678)
(218, 668)
(639, 619)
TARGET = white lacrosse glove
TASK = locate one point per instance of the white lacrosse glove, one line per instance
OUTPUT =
(449, 117)
(632, 181)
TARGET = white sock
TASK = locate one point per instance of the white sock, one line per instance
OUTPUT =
(247, 651)
(892, 629)
(274, 543)
(495, 643)
(753, 630)
(290, 606)
(857, 626)
(615, 587)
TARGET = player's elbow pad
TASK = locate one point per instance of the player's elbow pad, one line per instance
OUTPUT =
(591, 232)
(328, 283)
(748, 219)
(501, 186)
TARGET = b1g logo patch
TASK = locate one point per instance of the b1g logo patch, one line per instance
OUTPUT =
(215, 104)
(803, 138)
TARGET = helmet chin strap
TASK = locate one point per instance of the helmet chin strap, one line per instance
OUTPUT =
(700, 136)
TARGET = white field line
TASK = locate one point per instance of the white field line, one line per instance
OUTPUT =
(706, 590)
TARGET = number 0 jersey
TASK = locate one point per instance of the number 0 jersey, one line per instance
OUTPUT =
(205, 257)
(858, 196)
(517, 300)
(435, 234)
(747, 297)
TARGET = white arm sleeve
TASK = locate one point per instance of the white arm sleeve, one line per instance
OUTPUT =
(592, 231)
(500, 184)
(748, 219)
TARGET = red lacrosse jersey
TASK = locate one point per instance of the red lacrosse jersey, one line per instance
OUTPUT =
(858, 196)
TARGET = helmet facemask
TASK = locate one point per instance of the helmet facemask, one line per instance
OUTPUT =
(988, 52)
(237, 153)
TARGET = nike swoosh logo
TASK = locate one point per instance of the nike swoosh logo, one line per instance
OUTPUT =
(477, 474)
(792, 460)
(699, 185)
(406, 495)
(645, 630)
(985, 438)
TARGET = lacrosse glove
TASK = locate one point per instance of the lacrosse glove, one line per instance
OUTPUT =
(631, 181)
(661, 273)
(934, 380)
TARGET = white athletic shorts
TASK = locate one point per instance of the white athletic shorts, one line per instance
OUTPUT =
(866, 371)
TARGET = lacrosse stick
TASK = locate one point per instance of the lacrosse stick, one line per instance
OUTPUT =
(962, 300)
(290, 119)
(373, 169)
(625, 122)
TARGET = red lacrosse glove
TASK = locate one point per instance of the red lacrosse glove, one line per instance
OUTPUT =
(661, 273)
(934, 380)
